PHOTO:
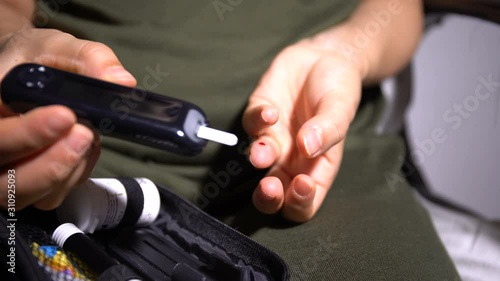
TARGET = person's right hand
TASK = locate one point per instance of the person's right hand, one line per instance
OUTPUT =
(49, 152)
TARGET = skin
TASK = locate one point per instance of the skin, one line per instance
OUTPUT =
(49, 151)
(299, 113)
(301, 110)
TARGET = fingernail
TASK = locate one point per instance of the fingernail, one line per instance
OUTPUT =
(269, 115)
(60, 122)
(302, 188)
(80, 141)
(119, 73)
(312, 142)
(266, 197)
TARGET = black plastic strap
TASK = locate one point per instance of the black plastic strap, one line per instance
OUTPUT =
(135, 202)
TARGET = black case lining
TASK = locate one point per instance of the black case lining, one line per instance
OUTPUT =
(183, 235)
(184, 243)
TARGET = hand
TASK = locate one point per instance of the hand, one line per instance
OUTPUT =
(48, 150)
(299, 116)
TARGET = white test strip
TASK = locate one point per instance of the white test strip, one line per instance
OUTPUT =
(217, 136)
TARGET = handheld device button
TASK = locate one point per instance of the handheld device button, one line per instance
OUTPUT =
(37, 77)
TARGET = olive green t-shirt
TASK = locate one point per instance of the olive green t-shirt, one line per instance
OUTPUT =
(210, 53)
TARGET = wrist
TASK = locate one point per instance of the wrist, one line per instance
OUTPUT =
(341, 41)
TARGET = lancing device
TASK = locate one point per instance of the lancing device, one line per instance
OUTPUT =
(131, 114)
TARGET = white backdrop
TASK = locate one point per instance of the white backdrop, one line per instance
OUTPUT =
(454, 116)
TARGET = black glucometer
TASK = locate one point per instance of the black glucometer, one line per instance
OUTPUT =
(127, 113)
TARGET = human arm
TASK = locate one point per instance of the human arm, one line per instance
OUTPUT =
(48, 150)
(301, 110)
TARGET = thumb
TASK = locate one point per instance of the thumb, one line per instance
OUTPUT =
(334, 91)
(89, 58)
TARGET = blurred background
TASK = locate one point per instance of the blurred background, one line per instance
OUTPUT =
(458, 56)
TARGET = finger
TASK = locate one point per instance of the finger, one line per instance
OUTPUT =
(29, 133)
(328, 127)
(335, 99)
(61, 50)
(55, 168)
(95, 152)
(55, 198)
(56, 195)
(299, 206)
(264, 152)
(258, 118)
(268, 196)
(299, 199)
(277, 89)
(262, 118)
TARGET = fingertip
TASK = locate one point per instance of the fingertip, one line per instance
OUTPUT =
(258, 118)
(268, 197)
(60, 119)
(269, 114)
(118, 74)
(84, 132)
(304, 187)
(98, 60)
(262, 153)
(299, 200)
(79, 140)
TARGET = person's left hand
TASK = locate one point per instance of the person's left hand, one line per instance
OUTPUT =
(299, 116)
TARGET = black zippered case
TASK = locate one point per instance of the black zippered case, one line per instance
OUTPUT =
(184, 243)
